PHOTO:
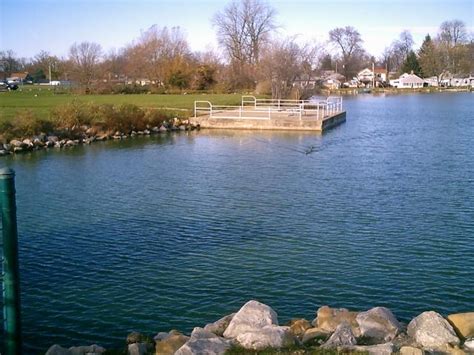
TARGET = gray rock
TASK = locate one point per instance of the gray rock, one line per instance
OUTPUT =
(219, 326)
(7, 146)
(146, 132)
(342, 337)
(89, 350)
(163, 129)
(252, 316)
(315, 335)
(379, 349)
(38, 142)
(18, 149)
(16, 143)
(53, 139)
(432, 331)
(57, 350)
(204, 342)
(182, 127)
(270, 336)
(378, 325)
(469, 344)
(28, 142)
(137, 349)
(4, 152)
(328, 319)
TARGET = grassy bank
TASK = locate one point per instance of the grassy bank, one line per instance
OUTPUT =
(41, 100)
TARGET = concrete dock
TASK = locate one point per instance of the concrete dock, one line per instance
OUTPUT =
(267, 114)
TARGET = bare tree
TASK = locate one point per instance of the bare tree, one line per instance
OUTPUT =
(453, 32)
(349, 41)
(243, 30)
(243, 27)
(85, 58)
(452, 43)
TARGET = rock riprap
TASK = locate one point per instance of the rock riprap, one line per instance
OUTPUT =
(328, 318)
(378, 325)
(463, 324)
(204, 342)
(432, 331)
(255, 326)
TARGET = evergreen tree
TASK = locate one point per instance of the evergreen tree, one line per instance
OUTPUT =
(429, 58)
(411, 64)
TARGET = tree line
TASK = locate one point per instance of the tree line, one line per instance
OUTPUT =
(253, 57)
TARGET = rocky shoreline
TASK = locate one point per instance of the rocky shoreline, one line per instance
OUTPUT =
(254, 329)
(87, 135)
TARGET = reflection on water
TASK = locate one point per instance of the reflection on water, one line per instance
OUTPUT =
(177, 230)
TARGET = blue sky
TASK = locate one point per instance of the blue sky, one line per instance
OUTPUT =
(28, 26)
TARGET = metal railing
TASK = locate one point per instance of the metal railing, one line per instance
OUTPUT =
(265, 109)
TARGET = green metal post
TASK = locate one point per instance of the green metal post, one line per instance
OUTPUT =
(11, 273)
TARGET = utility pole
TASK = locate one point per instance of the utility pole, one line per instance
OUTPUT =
(373, 75)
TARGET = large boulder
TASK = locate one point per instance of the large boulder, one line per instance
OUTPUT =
(270, 336)
(329, 319)
(252, 316)
(378, 325)
(342, 337)
(137, 349)
(57, 350)
(204, 342)
(219, 326)
(170, 344)
(432, 331)
(463, 323)
(75, 350)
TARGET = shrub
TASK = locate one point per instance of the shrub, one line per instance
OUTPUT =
(73, 115)
(130, 117)
(27, 124)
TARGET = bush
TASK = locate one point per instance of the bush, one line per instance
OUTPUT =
(73, 115)
(27, 124)
(130, 117)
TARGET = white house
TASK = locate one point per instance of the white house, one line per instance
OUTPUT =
(368, 77)
(432, 81)
(407, 81)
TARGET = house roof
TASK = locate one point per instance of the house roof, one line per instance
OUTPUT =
(19, 75)
(380, 70)
(410, 78)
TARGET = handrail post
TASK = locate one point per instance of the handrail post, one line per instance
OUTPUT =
(11, 272)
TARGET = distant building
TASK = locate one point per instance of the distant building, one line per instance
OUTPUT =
(333, 81)
(19, 78)
(407, 81)
(368, 77)
(432, 81)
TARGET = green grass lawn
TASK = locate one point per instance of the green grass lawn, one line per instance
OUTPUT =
(42, 99)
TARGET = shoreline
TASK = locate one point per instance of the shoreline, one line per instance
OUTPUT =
(87, 136)
(254, 328)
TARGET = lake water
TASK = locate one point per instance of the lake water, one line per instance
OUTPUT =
(178, 230)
